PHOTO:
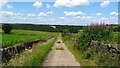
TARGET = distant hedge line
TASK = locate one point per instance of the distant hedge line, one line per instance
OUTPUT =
(48, 28)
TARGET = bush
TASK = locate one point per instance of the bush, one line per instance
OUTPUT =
(6, 28)
(96, 32)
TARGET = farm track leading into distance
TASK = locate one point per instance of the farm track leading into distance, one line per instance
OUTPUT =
(60, 56)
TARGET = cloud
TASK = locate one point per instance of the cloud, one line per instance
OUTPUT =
(77, 17)
(3, 2)
(114, 13)
(42, 14)
(45, 14)
(104, 18)
(9, 6)
(98, 14)
(6, 13)
(105, 3)
(31, 14)
(37, 4)
(48, 5)
(18, 14)
(71, 3)
(74, 13)
(50, 12)
(83, 18)
(61, 17)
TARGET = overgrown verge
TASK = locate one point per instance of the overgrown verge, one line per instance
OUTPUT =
(100, 54)
(32, 57)
(69, 42)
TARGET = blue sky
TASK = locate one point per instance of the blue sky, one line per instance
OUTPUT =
(60, 14)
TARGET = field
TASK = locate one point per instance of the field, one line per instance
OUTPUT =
(80, 44)
(33, 57)
(20, 36)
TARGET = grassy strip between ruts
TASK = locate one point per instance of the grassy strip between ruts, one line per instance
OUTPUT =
(34, 56)
(78, 54)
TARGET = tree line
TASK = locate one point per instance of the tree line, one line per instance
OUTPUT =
(47, 28)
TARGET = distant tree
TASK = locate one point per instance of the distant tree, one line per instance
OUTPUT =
(65, 31)
(6, 28)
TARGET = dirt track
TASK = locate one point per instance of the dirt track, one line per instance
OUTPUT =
(60, 57)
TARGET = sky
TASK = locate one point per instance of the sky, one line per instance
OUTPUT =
(60, 12)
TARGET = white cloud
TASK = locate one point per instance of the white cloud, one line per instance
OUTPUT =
(114, 18)
(98, 14)
(105, 3)
(104, 18)
(45, 14)
(31, 14)
(61, 17)
(42, 14)
(71, 3)
(50, 12)
(88, 17)
(79, 3)
(9, 6)
(83, 18)
(37, 4)
(18, 14)
(114, 13)
(48, 5)
(77, 17)
(6, 12)
(75, 22)
(74, 13)
(3, 2)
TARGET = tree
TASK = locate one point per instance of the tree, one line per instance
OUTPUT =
(65, 31)
(6, 28)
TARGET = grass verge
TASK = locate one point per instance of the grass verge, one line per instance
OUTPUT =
(32, 57)
(78, 54)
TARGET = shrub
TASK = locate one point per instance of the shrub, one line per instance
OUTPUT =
(65, 31)
(6, 28)
(96, 32)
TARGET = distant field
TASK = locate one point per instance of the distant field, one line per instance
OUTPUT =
(28, 32)
(20, 36)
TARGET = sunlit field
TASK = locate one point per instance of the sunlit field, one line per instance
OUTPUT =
(21, 36)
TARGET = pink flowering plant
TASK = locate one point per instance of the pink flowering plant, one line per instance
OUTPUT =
(97, 32)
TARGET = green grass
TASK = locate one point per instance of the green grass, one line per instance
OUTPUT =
(30, 32)
(114, 39)
(96, 59)
(78, 54)
(33, 58)
(10, 40)
(59, 48)
(11, 37)
(20, 36)
(1, 30)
